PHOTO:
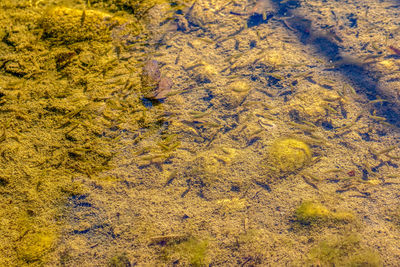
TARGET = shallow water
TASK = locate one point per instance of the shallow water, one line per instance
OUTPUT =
(225, 133)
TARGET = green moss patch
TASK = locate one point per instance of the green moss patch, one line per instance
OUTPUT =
(192, 252)
(311, 213)
(289, 154)
(65, 99)
(343, 251)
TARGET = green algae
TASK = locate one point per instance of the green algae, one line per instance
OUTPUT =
(34, 246)
(119, 261)
(64, 101)
(314, 213)
(192, 252)
(289, 154)
(344, 251)
(69, 25)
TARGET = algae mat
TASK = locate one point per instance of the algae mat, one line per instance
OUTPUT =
(205, 133)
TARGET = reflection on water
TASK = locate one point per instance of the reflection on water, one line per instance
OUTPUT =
(211, 132)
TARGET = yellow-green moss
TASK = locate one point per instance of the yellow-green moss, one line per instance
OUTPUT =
(289, 154)
(35, 245)
(367, 258)
(207, 167)
(61, 117)
(191, 252)
(203, 72)
(240, 86)
(310, 212)
(316, 106)
(119, 261)
(343, 251)
(136, 7)
(69, 25)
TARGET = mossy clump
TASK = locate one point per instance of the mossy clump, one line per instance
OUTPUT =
(191, 252)
(207, 168)
(70, 25)
(119, 261)
(343, 251)
(240, 86)
(35, 245)
(317, 106)
(233, 94)
(137, 7)
(65, 99)
(310, 212)
(289, 154)
(204, 72)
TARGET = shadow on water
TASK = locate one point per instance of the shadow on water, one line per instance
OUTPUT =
(363, 78)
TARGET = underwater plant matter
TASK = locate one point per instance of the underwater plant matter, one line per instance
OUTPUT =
(59, 77)
(311, 212)
(344, 251)
(191, 252)
(289, 154)
(69, 25)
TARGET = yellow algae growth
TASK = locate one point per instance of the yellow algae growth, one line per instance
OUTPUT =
(70, 25)
(344, 251)
(315, 106)
(64, 100)
(34, 246)
(311, 212)
(289, 154)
